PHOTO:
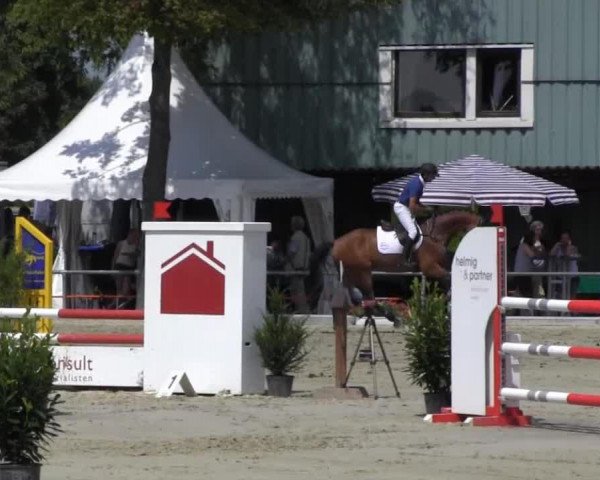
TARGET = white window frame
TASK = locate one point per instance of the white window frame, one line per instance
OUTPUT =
(470, 120)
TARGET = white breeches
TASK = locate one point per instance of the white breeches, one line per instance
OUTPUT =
(406, 219)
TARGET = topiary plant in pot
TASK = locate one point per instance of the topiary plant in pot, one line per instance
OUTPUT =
(427, 343)
(28, 403)
(281, 340)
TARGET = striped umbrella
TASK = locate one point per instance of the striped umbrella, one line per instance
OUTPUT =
(475, 179)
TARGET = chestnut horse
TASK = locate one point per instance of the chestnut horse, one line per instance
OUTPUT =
(358, 254)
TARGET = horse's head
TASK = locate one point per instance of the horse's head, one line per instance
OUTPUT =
(470, 219)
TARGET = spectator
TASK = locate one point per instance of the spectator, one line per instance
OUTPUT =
(125, 258)
(566, 256)
(275, 263)
(539, 258)
(7, 231)
(524, 264)
(24, 211)
(298, 259)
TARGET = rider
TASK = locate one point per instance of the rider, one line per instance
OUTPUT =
(408, 204)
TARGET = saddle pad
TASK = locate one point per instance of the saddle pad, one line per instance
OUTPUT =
(387, 242)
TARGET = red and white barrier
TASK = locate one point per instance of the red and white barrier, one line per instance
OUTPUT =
(485, 388)
(584, 399)
(205, 290)
(574, 306)
(592, 353)
(79, 313)
(97, 339)
(93, 359)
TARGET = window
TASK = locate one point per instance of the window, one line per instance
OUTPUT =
(484, 86)
(497, 82)
(430, 83)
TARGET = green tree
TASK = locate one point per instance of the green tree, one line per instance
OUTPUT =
(41, 87)
(97, 28)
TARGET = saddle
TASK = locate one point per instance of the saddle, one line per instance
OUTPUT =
(401, 233)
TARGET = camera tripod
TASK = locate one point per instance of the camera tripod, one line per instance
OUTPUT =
(369, 354)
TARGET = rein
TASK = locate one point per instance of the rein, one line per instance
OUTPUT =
(431, 229)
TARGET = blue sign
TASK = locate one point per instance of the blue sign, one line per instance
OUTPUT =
(35, 257)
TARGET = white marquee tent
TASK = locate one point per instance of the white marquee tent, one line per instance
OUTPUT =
(101, 154)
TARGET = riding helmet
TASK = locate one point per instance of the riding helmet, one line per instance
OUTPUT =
(429, 168)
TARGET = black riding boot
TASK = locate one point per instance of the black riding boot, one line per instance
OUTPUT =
(408, 244)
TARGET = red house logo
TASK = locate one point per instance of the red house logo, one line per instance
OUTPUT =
(193, 282)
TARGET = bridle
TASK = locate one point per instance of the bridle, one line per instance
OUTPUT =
(432, 224)
(431, 228)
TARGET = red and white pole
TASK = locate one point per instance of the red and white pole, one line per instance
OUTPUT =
(584, 399)
(574, 306)
(592, 353)
(98, 339)
(79, 313)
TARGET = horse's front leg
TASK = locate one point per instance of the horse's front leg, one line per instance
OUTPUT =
(360, 280)
(434, 271)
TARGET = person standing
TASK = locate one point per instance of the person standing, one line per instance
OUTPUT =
(409, 204)
(531, 258)
(567, 256)
(524, 264)
(125, 258)
(298, 259)
(276, 261)
(539, 258)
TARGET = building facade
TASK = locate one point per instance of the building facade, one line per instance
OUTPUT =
(374, 94)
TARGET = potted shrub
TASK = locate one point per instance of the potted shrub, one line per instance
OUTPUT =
(28, 404)
(427, 344)
(281, 340)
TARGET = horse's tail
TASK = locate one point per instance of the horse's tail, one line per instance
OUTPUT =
(319, 254)
(323, 254)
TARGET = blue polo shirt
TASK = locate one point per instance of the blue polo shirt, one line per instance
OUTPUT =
(414, 188)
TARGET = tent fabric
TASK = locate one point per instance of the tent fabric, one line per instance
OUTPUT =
(102, 153)
(478, 180)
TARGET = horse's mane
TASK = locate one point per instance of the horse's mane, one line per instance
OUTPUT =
(451, 220)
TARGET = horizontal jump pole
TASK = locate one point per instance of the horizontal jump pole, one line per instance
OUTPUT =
(576, 306)
(81, 313)
(97, 339)
(584, 399)
(549, 318)
(592, 353)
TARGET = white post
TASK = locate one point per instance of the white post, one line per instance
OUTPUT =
(475, 295)
(205, 289)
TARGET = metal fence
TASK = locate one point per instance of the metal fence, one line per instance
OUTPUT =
(95, 299)
(557, 283)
